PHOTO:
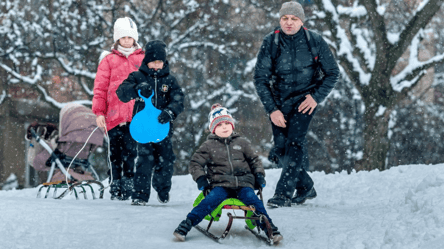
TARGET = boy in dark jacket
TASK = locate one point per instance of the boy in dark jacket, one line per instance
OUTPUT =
(153, 76)
(233, 170)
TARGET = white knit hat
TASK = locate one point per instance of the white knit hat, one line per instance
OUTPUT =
(125, 27)
(217, 115)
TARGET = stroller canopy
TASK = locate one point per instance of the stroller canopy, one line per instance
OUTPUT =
(77, 123)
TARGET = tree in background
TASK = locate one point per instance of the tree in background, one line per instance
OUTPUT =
(51, 49)
(371, 38)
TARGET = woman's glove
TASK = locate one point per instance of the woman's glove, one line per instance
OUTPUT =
(145, 89)
(259, 182)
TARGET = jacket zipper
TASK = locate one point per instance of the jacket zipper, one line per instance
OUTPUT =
(155, 89)
(229, 159)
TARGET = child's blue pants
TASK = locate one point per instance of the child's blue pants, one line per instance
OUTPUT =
(218, 195)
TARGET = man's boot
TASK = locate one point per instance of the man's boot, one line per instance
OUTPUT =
(279, 201)
(183, 229)
(302, 196)
(163, 197)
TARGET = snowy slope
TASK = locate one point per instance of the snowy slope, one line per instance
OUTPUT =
(399, 208)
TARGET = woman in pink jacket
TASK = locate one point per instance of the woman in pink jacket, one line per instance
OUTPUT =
(124, 58)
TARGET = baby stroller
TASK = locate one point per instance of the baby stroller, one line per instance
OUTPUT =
(63, 151)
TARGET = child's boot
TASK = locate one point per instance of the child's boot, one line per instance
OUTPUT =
(115, 190)
(183, 229)
(127, 187)
(277, 236)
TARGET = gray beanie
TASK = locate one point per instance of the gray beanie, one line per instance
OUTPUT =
(292, 8)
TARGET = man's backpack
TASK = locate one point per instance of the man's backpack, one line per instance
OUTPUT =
(318, 75)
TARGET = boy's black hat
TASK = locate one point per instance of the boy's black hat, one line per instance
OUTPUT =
(155, 51)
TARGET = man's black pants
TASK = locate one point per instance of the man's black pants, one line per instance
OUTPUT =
(293, 158)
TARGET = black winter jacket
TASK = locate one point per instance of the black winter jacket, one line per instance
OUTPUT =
(294, 67)
(168, 94)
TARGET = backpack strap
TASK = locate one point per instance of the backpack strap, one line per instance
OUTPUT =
(311, 46)
(275, 45)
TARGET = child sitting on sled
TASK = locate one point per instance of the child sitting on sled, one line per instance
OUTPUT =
(153, 77)
(233, 170)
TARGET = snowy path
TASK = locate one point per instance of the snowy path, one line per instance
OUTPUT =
(399, 208)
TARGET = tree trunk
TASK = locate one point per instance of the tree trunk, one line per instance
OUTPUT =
(376, 142)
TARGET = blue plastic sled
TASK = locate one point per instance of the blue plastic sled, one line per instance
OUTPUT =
(145, 128)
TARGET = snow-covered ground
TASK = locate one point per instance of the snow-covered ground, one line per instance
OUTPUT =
(399, 208)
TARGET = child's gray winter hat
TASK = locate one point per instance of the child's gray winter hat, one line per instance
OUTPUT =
(292, 8)
(218, 115)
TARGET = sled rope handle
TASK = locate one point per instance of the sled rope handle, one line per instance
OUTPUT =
(108, 157)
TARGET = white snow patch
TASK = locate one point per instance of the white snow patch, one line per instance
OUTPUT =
(380, 111)
(393, 37)
(250, 66)
(397, 208)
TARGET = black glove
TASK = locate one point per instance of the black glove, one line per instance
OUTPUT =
(165, 116)
(145, 89)
(259, 182)
(203, 185)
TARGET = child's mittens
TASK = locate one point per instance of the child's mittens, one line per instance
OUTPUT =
(202, 184)
(259, 182)
(145, 89)
(165, 116)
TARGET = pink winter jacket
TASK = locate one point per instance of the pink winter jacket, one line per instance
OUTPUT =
(112, 71)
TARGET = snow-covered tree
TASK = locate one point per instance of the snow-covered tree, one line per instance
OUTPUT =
(370, 39)
(52, 48)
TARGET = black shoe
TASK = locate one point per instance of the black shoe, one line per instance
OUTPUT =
(183, 229)
(138, 202)
(115, 190)
(279, 201)
(126, 186)
(300, 198)
(163, 197)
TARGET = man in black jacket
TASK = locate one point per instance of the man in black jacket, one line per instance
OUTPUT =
(292, 98)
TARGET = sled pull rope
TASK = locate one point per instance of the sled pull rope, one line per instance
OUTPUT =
(108, 157)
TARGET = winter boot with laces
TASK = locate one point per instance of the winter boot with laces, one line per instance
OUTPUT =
(126, 186)
(279, 201)
(115, 190)
(183, 229)
(301, 197)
